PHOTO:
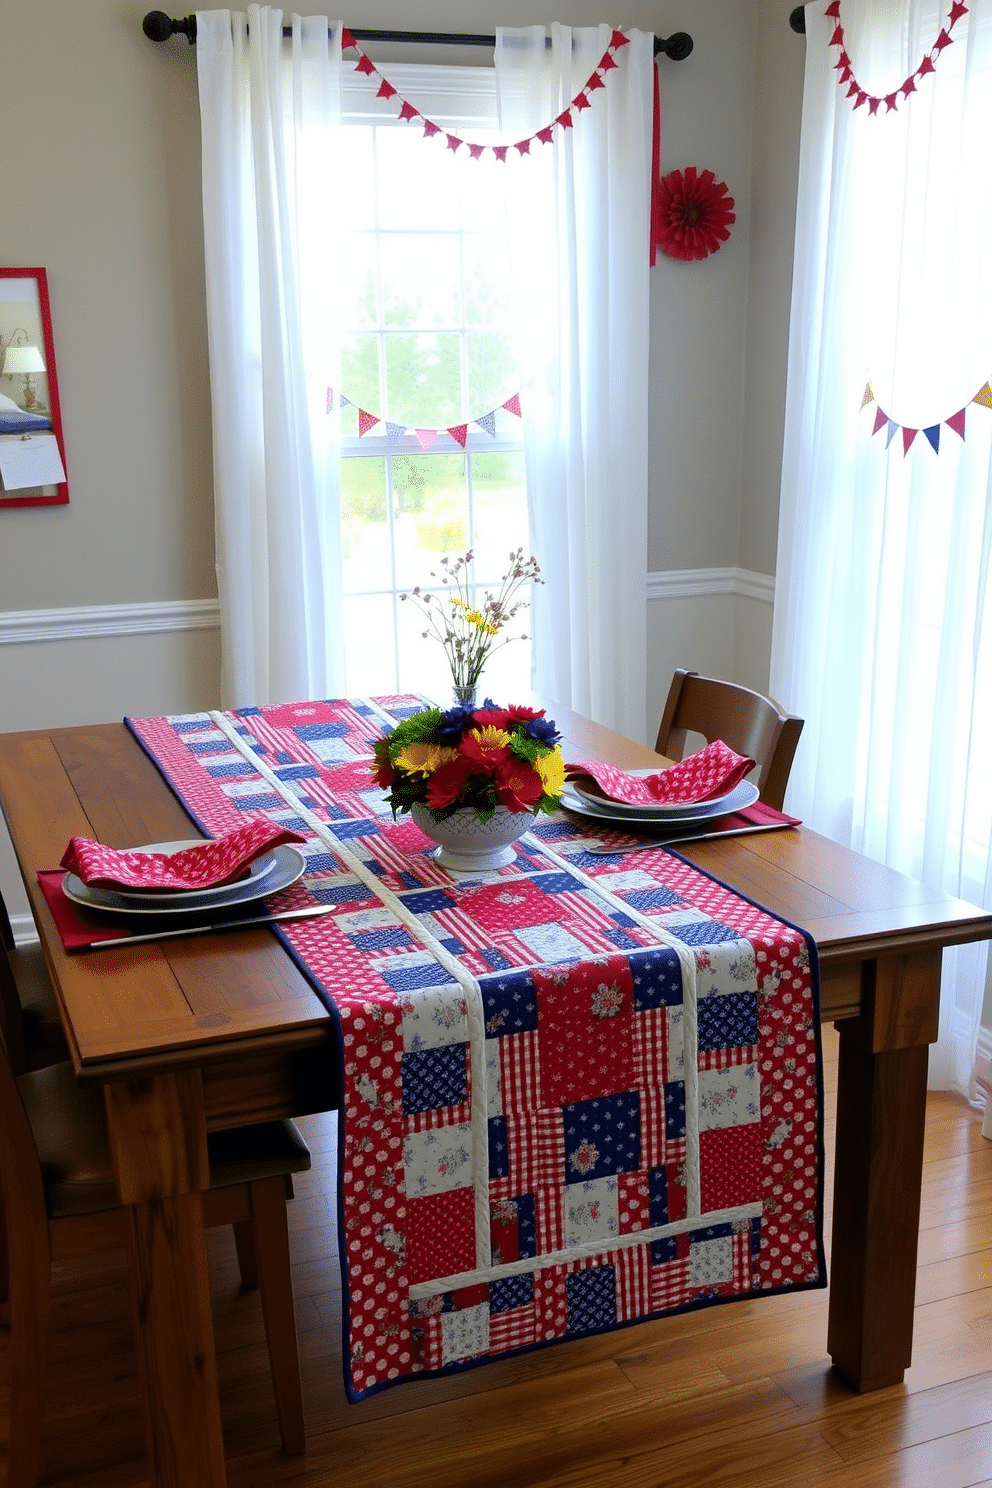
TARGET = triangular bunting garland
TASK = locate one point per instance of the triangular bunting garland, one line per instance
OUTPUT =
(365, 67)
(845, 72)
(955, 421)
(396, 432)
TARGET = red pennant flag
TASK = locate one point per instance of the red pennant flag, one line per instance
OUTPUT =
(386, 90)
(430, 128)
(838, 37)
(957, 11)
(523, 146)
(956, 422)
(925, 66)
(500, 152)
(943, 40)
(617, 40)
(890, 99)
(580, 101)
(475, 151)
(833, 9)
(546, 135)
(459, 433)
(426, 437)
(909, 86)
(565, 120)
(594, 82)
(408, 111)
(366, 421)
(862, 96)
(606, 62)
(365, 64)
(852, 91)
(347, 40)
(873, 103)
(512, 405)
(908, 435)
(453, 142)
(881, 419)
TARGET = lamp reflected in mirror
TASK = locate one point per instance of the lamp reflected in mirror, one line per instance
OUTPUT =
(19, 358)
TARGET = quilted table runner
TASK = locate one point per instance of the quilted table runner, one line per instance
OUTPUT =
(579, 1092)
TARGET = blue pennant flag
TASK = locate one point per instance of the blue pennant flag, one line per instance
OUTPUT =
(933, 434)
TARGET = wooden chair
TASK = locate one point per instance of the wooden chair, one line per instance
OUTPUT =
(749, 722)
(57, 1185)
(29, 1014)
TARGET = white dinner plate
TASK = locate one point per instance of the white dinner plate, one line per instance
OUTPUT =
(596, 809)
(288, 865)
(717, 805)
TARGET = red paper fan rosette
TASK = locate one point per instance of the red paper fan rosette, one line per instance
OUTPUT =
(695, 212)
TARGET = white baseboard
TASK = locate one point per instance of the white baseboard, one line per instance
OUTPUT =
(74, 622)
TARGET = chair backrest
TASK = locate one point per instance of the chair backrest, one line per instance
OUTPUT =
(749, 722)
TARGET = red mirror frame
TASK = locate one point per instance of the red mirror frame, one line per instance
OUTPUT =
(29, 311)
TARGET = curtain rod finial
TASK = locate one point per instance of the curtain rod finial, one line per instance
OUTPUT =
(676, 47)
(797, 20)
(157, 26)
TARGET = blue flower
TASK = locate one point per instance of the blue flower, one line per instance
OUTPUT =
(543, 730)
(454, 723)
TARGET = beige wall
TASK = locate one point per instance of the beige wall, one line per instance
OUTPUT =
(101, 186)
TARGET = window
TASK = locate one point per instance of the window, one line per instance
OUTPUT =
(426, 348)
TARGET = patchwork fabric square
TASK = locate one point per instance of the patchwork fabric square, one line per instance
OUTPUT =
(592, 1300)
(602, 1136)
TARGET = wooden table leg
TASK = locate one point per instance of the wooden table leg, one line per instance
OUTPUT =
(881, 1114)
(158, 1142)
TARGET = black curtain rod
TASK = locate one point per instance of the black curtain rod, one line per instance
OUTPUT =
(157, 26)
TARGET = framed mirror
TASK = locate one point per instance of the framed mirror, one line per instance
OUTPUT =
(32, 450)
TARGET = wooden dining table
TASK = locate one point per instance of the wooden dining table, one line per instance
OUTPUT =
(194, 1034)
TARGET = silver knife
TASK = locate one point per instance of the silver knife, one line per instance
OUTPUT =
(176, 931)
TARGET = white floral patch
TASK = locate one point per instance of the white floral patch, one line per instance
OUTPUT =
(676, 1044)
(551, 943)
(728, 967)
(375, 802)
(711, 1261)
(438, 1160)
(365, 919)
(591, 1210)
(335, 750)
(730, 1097)
(494, 1089)
(433, 1016)
(634, 878)
(465, 1333)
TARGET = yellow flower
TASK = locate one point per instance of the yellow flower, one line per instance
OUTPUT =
(551, 768)
(480, 621)
(424, 759)
(491, 737)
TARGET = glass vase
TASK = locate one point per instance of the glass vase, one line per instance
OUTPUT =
(465, 694)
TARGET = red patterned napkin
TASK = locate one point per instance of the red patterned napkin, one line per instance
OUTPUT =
(701, 777)
(199, 867)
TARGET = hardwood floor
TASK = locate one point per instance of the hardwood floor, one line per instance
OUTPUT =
(736, 1397)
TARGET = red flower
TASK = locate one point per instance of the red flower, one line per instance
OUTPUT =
(518, 785)
(695, 213)
(448, 781)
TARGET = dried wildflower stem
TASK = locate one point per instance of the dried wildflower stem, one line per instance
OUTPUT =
(469, 634)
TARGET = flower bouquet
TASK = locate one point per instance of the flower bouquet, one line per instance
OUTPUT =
(472, 778)
(468, 630)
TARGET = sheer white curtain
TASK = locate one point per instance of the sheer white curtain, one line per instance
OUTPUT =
(883, 615)
(276, 482)
(579, 213)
